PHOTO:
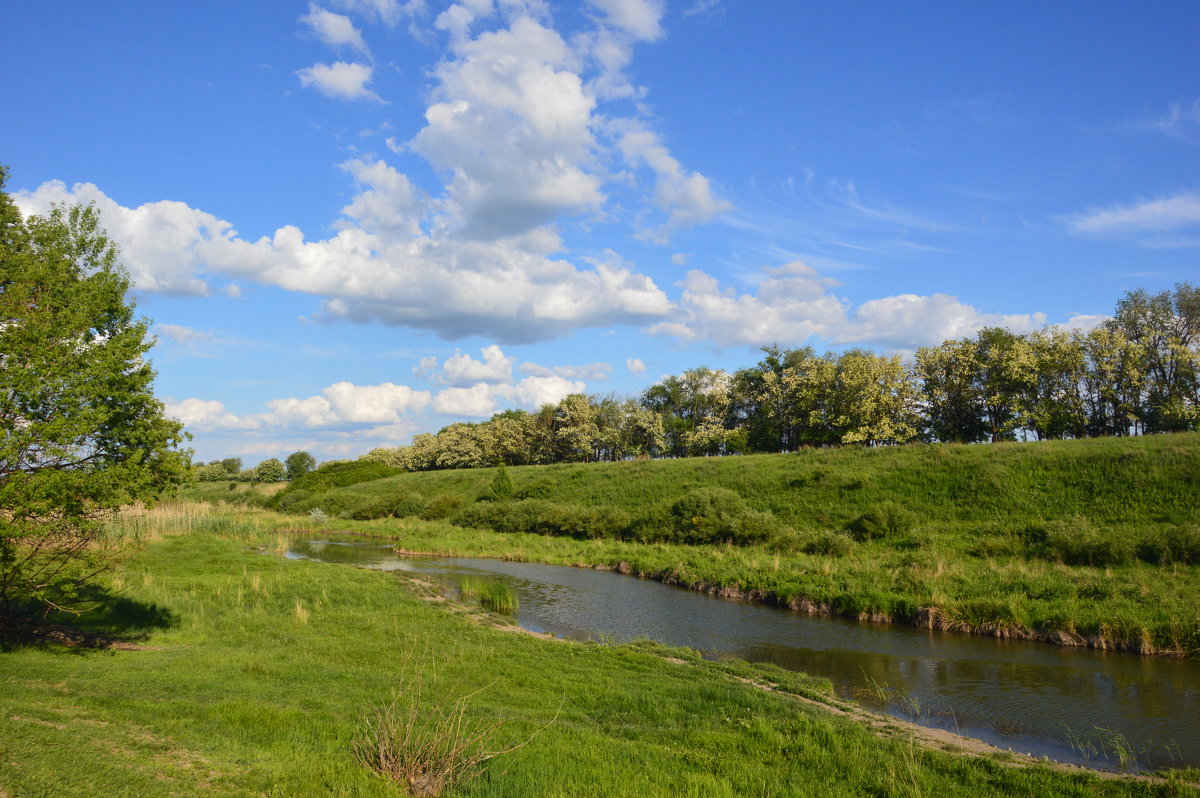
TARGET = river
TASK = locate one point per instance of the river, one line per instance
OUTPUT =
(1112, 710)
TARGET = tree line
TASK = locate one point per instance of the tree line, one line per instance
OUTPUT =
(1136, 373)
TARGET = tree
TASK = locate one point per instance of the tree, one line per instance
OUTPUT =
(269, 470)
(299, 463)
(81, 434)
(232, 466)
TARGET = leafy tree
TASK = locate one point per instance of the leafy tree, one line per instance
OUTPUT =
(953, 406)
(232, 466)
(502, 488)
(269, 470)
(81, 434)
(299, 463)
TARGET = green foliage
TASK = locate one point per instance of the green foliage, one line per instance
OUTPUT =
(269, 470)
(299, 463)
(491, 594)
(232, 465)
(441, 506)
(333, 475)
(537, 489)
(827, 542)
(81, 433)
(887, 520)
(1076, 541)
(502, 487)
(1172, 544)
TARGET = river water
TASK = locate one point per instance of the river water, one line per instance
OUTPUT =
(1101, 709)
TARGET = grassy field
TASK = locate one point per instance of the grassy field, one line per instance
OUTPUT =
(1090, 542)
(254, 675)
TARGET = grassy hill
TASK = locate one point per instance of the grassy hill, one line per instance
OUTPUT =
(1090, 542)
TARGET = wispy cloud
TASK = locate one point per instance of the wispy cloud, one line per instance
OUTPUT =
(1181, 120)
(1145, 220)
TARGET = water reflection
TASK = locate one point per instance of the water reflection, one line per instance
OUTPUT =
(1070, 704)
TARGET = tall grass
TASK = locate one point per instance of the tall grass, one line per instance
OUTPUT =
(491, 595)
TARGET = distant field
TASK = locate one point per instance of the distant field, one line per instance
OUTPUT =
(1090, 541)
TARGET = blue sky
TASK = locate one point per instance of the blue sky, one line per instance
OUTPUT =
(356, 220)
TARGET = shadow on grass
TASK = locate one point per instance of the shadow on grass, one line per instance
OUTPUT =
(110, 622)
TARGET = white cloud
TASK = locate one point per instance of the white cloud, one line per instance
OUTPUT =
(1181, 120)
(793, 304)
(380, 267)
(478, 400)
(635, 365)
(335, 30)
(181, 334)
(345, 402)
(203, 415)
(162, 243)
(339, 80)
(1159, 215)
(591, 371)
(685, 196)
(639, 18)
(460, 369)
(511, 124)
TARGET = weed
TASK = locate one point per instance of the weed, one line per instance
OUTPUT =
(429, 749)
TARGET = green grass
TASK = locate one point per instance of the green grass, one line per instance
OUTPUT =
(1095, 541)
(258, 674)
(491, 595)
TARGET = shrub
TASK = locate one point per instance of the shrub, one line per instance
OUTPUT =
(601, 521)
(1075, 541)
(706, 515)
(887, 520)
(409, 503)
(292, 499)
(1176, 544)
(753, 527)
(377, 507)
(441, 506)
(538, 489)
(827, 542)
(335, 474)
(501, 489)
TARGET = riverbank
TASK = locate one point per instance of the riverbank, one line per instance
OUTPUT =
(1087, 543)
(256, 674)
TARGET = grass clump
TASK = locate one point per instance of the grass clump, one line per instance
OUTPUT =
(491, 595)
(424, 747)
(885, 521)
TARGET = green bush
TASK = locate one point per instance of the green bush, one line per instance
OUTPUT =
(292, 499)
(1075, 541)
(707, 515)
(1176, 544)
(827, 542)
(538, 489)
(409, 503)
(754, 527)
(501, 489)
(569, 520)
(441, 506)
(335, 475)
(887, 520)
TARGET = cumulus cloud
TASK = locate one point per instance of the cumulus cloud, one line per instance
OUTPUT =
(639, 18)
(511, 125)
(345, 402)
(203, 415)
(380, 267)
(335, 30)
(339, 80)
(793, 304)
(162, 243)
(460, 369)
(685, 196)
(635, 365)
